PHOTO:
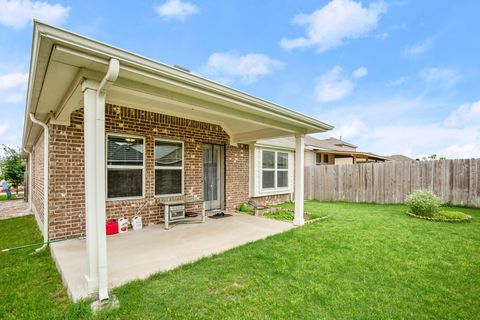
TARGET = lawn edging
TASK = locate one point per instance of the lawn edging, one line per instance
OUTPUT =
(467, 219)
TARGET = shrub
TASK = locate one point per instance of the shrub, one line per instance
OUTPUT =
(423, 203)
(452, 215)
(245, 208)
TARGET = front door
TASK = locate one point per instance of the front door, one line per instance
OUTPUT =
(213, 168)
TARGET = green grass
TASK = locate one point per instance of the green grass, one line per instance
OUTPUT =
(30, 286)
(284, 212)
(364, 262)
(3, 197)
(453, 215)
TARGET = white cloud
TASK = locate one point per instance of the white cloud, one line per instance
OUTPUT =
(413, 140)
(360, 73)
(397, 82)
(17, 14)
(3, 128)
(336, 84)
(336, 22)
(397, 125)
(350, 130)
(176, 9)
(12, 87)
(461, 151)
(228, 66)
(465, 114)
(440, 78)
(416, 50)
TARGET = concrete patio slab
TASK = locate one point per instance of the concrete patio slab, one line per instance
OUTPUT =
(139, 254)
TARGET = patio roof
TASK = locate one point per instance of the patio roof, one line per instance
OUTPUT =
(62, 60)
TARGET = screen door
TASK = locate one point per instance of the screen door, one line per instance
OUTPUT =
(213, 176)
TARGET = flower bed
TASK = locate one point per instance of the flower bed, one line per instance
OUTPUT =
(444, 216)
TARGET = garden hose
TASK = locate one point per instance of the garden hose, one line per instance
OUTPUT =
(39, 244)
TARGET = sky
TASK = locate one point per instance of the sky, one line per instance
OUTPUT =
(393, 77)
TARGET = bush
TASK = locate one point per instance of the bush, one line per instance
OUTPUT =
(452, 215)
(423, 203)
(245, 208)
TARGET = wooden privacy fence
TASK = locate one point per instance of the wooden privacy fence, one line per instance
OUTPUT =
(454, 181)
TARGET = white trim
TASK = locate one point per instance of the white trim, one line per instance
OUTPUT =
(299, 179)
(275, 170)
(126, 167)
(155, 167)
(272, 147)
(45, 37)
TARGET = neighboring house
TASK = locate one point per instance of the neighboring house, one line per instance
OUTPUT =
(336, 151)
(399, 157)
(110, 133)
(329, 151)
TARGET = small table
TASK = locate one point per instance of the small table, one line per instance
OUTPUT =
(166, 216)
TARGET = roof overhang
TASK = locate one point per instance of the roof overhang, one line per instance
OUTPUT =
(357, 154)
(62, 60)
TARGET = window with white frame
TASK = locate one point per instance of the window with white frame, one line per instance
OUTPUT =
(274, 169)
(168, 167)
(125, 166)
(321, 158)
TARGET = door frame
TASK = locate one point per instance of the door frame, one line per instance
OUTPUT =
(221, 187)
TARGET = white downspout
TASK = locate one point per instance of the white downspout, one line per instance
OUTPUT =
(29, 179)
(45, 180)
(110, 77)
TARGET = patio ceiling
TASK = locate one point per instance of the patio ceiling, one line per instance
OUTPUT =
(62, 60)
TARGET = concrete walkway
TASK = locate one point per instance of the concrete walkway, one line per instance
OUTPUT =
(138, 254)
(13, 208)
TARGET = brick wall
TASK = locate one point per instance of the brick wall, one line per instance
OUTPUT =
(67, 199)
(37, 178)
(273, 199)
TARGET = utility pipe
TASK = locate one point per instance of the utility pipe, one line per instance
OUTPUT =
(45, 180)
(29, 179)
(110, 77)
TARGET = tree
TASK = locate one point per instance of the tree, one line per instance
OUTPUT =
(432, 157)
(12, 167)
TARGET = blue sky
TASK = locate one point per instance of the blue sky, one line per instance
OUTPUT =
(391, 76)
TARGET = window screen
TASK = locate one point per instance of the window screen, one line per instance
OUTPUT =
(125, 167)
(168, 167)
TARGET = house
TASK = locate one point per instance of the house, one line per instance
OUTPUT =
(329, 151)
(399, 157)
(336, 151)
(108, 133)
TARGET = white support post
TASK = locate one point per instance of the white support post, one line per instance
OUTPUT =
(89, 89)
(95, 180)
(100, 183)
(299, 179)
(166, 216)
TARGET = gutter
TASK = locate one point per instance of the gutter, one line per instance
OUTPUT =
(136, 62)
(99, 158)
(29, 179)
(45, 180)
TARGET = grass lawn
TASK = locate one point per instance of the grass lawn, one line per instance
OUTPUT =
(3, 197)
(365, 261)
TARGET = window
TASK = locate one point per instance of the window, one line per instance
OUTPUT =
(168, 167)
(125, 166)
(321, 158)
(274, 169)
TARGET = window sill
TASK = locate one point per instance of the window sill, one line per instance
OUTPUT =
(169, 195)
(125, 198)
(272, 192)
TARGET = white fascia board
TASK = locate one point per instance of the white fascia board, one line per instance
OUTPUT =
(273, 147)
(106, 51)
